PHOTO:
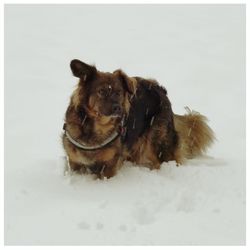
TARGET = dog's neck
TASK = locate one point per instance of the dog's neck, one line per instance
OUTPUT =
(88, 129)
(87, 147)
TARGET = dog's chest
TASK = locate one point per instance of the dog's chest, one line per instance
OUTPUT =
(90, 157)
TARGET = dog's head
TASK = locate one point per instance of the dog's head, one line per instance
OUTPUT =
(102, 94)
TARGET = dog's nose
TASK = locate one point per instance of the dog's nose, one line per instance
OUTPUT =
(116, 109)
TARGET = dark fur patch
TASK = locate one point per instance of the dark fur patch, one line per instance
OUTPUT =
(144, 105)
(151, 113)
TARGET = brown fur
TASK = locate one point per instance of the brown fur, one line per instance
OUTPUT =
(195, 136)
(154, 134)
(87, 123)
(143, 153)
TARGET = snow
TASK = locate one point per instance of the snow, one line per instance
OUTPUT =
(196, 52)
(152, 120)
(83, 120)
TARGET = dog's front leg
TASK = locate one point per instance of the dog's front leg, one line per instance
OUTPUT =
(106, 169)
(76, 167)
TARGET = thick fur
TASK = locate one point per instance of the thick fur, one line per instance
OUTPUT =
(154, 134)
(90, 118)
(151, 137)
(195, 136)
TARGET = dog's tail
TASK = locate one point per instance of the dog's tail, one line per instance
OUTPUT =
(195, 136)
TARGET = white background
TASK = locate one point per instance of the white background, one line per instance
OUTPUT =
(196, 52)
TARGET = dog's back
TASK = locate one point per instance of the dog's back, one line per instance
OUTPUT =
(168, 136)
(151, 137)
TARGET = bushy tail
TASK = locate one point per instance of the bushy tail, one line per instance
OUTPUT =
(195, 136)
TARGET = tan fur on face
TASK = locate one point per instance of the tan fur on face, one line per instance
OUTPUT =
(92, 107)
(92, 102)
(127, 103)
(103, 125)
(75, 98)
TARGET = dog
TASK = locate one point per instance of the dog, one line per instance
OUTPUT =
(112, 118)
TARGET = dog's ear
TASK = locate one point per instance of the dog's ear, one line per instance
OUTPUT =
(82, 70)
(129, 83)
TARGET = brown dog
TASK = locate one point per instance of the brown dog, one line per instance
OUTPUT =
(112, 117)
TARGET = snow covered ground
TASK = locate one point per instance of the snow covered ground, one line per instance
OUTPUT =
(196, 52)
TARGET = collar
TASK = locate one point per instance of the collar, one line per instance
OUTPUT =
(110, 139)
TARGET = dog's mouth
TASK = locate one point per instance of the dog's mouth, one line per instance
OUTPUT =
(114, 111)
(116, 116)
